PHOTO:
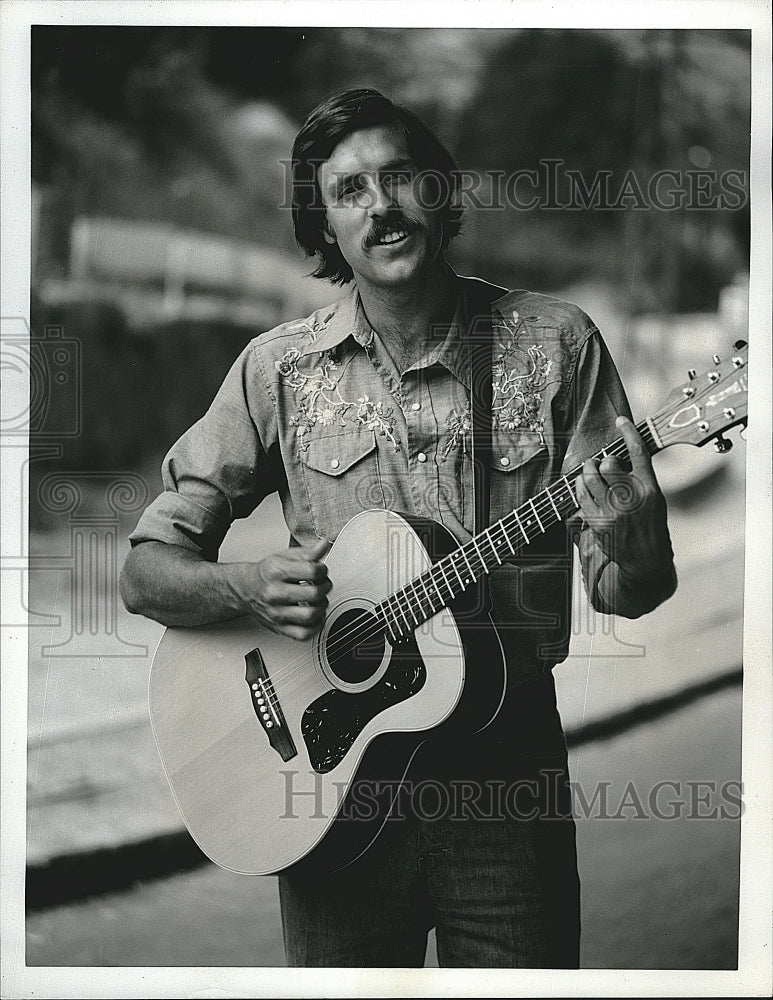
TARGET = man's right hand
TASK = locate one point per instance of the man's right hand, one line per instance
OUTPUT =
(286, 591)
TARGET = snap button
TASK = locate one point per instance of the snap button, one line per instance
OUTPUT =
(421, 457)
(334, 463)
(504, 460)
(415, 406)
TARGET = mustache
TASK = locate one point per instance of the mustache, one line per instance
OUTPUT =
(394, 220)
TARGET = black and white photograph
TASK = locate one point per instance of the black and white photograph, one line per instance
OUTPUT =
(386, 480)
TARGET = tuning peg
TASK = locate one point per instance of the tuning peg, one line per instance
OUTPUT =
(716, 359)
(722, 445)
(691, 374)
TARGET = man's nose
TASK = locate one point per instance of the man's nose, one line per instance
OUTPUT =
(380, 200)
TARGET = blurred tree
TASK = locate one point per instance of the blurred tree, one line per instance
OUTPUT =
(618, 102)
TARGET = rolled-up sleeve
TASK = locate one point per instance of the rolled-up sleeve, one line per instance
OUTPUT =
(595, 400)
(218, 470)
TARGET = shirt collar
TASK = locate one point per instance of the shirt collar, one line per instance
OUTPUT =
(345, 319)
(348, 319)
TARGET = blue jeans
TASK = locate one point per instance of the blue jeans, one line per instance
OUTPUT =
(490, 863)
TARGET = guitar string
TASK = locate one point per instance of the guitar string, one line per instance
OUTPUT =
(548, 510)
(616, 449)
(370, 632)
(345, 638)
(552, 517)
(545, 515)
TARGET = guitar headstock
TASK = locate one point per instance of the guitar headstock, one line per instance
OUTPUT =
(707, 405)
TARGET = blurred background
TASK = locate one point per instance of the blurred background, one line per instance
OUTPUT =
(162, 243)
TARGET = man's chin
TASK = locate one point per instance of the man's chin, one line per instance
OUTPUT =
(403, 269)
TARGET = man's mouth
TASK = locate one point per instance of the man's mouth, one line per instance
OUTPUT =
(392, 235)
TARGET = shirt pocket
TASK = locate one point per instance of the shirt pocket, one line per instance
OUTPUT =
(341, 474)
(520, 469)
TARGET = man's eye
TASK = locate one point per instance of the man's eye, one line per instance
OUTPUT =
(396, 176)
(350, 188)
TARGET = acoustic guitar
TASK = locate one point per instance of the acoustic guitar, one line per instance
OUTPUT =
(279, 751)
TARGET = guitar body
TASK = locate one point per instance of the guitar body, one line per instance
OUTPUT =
(278, 750)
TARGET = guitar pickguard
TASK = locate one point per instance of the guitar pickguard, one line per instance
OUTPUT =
(332, 722)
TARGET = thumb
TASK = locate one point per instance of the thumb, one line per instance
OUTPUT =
(319, 549)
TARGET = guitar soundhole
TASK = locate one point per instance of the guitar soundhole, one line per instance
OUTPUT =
(354, 647)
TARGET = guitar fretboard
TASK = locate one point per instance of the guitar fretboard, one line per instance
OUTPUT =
(408, 608)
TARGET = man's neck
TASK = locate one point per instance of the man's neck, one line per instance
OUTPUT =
(412, 318)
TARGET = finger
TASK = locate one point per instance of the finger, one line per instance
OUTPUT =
(589, 511)
(299, 632)
(593, 482)
(319, 549)
(310, 553)
(641, 462)
(311, 572)
(297, 614)
(611, 468)
(303, 593)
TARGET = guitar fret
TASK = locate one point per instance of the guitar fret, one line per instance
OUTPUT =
(456, 570)
(464, 556)
(541, 525)
(571, 494)
(434, 584)
(400, 609)
(410, 605)
(424, 588)
(493, 547)
(480, 555)
(507, 537)
(450, 588)
(518, 521)
(553, 503)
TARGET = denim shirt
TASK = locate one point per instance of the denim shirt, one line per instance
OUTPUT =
(316, 410)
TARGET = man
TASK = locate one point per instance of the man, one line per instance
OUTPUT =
(367, 404)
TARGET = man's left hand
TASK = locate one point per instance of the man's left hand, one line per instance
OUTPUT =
(626, 510)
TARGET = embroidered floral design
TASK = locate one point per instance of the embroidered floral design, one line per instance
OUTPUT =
(458, 425)
(320, 401)
(517, 398)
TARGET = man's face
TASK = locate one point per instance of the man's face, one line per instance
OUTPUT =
(373, 203)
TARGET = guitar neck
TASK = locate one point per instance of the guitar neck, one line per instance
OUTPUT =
(405, 609)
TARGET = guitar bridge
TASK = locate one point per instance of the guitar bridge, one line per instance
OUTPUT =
(267, 707)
